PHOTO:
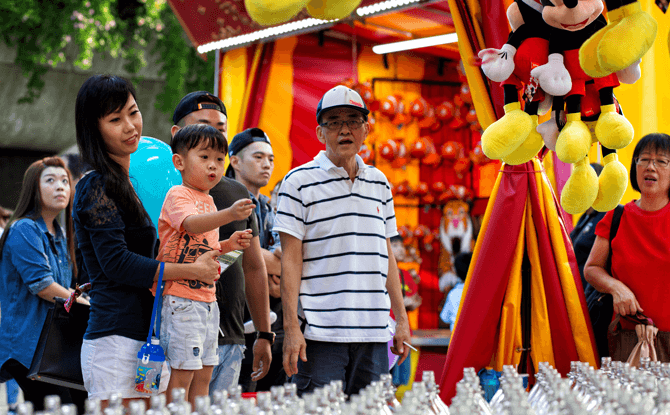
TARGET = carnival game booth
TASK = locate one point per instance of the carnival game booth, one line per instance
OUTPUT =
(523, 301)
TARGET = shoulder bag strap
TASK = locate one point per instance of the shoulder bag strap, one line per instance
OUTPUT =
(156, 313)
(616, 219)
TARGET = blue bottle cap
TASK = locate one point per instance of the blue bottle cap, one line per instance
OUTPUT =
(151, 352)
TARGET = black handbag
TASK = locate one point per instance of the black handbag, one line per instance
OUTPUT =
(600, 306)
(57, 359)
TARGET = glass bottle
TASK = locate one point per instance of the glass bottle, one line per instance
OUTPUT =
(291, 394)
(428, 378)
(264, 402)
(4, 405)
(220, 401)
(92, 407)
(179, 405)
(52, 405)
(248, 407)
(157, 403)
(136, 408)
(202, 405)
(278, 398)
(25, 408)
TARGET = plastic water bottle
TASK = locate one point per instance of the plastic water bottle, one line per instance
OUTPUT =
(150, 361)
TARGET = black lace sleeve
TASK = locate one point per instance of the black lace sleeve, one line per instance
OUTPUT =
(102, 236)
(95, 208)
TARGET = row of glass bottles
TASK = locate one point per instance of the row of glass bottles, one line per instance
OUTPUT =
(615, 389)
(378, 398)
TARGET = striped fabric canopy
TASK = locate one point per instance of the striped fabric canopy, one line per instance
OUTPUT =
(523, 290)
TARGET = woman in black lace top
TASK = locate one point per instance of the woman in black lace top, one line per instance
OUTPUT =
(116, 239)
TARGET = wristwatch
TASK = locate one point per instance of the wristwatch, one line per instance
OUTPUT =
(267, 335)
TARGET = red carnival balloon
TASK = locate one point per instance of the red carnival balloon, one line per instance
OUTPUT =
(465, 94)
(445, 111)
(421, 189)
(389, 150)
(451, 150)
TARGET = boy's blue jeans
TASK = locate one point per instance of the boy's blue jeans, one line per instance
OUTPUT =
(355, 364)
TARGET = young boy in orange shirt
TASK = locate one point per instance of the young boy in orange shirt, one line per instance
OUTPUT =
(189, 226)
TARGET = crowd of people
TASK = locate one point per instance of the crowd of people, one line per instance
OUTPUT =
(318, 256)
(320, 259)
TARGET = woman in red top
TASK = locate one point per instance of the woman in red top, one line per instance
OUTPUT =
(640, 279)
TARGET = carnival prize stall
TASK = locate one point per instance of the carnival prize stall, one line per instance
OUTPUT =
(443, 118)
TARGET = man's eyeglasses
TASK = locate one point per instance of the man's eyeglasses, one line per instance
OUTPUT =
(337, 125)
(644, 162)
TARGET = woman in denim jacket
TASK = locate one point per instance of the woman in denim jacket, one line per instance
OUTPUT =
(37, 265)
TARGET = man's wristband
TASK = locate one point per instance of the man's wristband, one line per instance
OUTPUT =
(267, 335)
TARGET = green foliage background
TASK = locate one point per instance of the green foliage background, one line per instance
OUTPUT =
(48, 32)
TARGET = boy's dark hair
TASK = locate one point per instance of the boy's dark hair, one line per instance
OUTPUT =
(462, 264)
(193, 135)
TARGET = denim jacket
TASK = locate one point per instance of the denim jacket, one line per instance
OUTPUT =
(32, 259)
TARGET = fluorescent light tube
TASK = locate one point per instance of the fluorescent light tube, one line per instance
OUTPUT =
(415, 43)
(383, 6)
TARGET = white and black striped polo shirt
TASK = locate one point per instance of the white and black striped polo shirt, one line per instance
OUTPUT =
(343, 226)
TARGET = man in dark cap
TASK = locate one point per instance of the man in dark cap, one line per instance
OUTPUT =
(252, 164)
(248, 277)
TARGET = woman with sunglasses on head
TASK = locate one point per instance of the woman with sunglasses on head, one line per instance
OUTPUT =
(117, 240)
(37, 265)
(640, 277)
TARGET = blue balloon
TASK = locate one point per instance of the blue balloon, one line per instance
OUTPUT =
(153, 174)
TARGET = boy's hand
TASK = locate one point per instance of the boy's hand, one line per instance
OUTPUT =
(241, 209)
(240, 240)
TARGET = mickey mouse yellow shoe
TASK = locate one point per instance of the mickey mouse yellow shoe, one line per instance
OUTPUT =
(612, 184)
(581, 189)
(528, 149)
(505, 135)
(588, 52)
(626, 43)
(613, 130)
(574, 141)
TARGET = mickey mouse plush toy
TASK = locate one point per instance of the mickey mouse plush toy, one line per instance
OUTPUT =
(546, 56)
(514, 137)
(572, 23)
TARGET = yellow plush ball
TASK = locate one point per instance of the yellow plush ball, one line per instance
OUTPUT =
(272, 12)
(332, 9)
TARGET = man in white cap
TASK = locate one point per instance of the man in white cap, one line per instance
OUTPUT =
(339, 277)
